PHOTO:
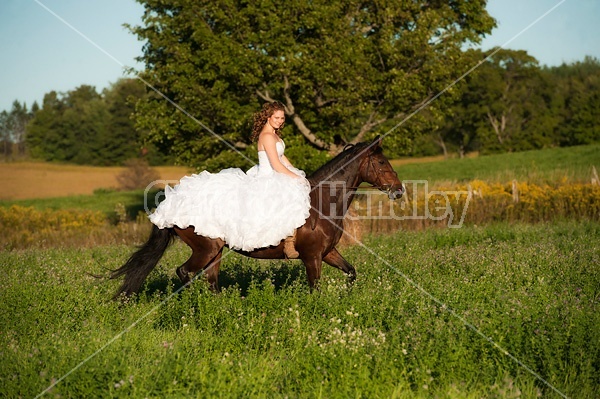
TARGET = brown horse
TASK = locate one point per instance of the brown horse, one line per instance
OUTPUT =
(333, 188)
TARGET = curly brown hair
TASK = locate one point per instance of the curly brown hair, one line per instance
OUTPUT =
(260, 118)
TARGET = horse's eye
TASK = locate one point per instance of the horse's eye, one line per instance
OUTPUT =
(381, 162)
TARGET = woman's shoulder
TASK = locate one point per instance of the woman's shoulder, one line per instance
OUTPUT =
(269, 136)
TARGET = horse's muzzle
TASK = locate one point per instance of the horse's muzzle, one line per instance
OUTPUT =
(396, 192)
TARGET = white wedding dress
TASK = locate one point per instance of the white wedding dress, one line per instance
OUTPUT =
(248, 210)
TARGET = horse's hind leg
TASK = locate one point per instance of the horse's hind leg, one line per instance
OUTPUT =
(334, 259)
(208, 262)
(206, 256)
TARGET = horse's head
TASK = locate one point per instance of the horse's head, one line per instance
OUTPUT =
(377, 170)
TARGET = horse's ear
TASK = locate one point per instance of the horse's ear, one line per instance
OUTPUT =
(376, 143)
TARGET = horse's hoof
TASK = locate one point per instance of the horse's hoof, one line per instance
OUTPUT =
(351, 278)
(183, 276)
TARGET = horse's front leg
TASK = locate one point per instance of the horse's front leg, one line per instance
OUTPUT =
(313, 266)
(334, 259)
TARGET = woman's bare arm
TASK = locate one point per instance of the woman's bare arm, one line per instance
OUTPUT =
(286, 162)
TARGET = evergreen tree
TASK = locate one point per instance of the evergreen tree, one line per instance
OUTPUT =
(121, 141)
(5, 134)
(84, 125)
(44, 139)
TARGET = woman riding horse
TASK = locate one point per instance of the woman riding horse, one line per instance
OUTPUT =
(261, 213)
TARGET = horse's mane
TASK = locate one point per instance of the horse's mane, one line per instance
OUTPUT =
(337, 164)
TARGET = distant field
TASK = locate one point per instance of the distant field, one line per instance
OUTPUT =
(28, 180)
(38, 180)
(540, 166)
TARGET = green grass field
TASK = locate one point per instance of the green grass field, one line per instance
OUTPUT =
(532, 290)
(540, 166)
(439, 313)
(103, 201)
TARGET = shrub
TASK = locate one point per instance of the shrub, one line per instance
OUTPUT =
(25, 227)
(137, 174)
(481, 203)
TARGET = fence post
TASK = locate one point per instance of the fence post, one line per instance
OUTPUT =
(515, 191)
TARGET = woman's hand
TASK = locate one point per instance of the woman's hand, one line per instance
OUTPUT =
(286, 162)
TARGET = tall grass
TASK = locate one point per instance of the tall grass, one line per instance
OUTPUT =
(531, 289)
(474, 203)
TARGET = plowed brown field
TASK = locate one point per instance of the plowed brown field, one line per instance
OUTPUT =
(27, 180)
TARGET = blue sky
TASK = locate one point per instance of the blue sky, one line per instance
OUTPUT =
(40, 53)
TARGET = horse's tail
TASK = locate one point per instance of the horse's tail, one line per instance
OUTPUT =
(141, 263)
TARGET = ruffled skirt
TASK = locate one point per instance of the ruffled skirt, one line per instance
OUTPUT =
(246, 210)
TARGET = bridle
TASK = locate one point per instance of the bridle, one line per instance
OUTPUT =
(379, 173)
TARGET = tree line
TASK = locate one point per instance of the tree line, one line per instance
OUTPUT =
(80, 126)
(345, 71)
(510, 103)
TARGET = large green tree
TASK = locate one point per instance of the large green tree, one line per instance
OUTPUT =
(121, 140)
(514, 99)
(510, 103)
(345, 70)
